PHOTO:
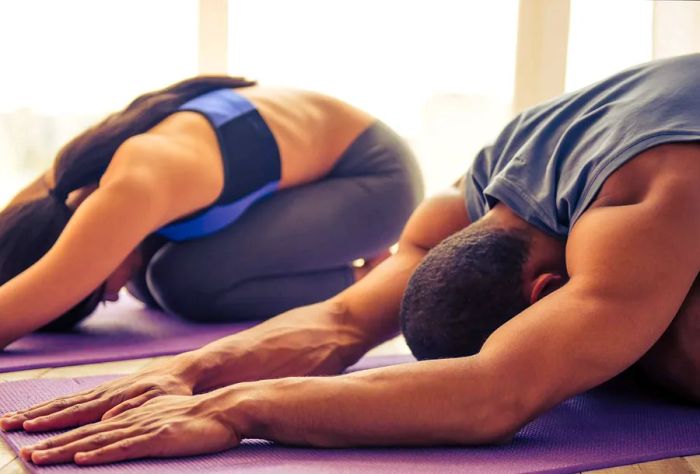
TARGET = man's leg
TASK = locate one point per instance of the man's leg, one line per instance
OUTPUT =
(674, 361)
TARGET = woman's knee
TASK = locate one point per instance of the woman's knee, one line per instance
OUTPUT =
(176, 285)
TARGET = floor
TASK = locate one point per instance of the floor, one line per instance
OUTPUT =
(9, 464)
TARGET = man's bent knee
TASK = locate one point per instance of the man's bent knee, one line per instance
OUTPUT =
(674, 361)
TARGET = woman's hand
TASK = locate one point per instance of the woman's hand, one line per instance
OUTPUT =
(102, 402)
(164, 427)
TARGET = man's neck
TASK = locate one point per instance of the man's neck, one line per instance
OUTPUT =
(547, 253)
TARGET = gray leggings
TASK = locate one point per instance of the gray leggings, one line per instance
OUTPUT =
(295, 247)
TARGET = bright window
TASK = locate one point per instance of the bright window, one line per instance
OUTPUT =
(67, 63)
(606, 37)
(440, 72)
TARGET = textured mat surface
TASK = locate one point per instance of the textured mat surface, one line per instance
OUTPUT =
(120, 331)
(609, 426)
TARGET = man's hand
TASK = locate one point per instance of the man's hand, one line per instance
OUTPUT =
(102, 402)
(163, 427)
(320, 339)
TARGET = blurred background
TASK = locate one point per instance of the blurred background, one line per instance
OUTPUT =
(446, 74)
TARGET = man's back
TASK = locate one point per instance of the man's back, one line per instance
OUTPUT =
(665, 169)
(550, 162)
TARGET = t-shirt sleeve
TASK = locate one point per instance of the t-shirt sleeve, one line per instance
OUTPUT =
(475, 181)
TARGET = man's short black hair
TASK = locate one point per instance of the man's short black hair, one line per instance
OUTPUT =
(465, 288)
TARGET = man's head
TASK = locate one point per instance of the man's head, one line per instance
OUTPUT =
(472, 283)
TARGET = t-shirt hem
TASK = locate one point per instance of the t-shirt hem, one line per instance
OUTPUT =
(509, 194)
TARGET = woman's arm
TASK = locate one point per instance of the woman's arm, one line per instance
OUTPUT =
(102, 232)
(315, 340)
(134, 198)
(631, 268)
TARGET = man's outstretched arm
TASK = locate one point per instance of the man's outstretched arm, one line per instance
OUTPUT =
(631, 268)
(320, 339)
(326, 338)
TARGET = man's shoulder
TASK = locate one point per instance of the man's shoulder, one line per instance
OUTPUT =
(667, 174)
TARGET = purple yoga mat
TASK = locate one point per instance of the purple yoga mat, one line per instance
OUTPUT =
(613, 425)
(119, 331)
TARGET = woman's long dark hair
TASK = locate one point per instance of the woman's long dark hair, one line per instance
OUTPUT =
(29, 229)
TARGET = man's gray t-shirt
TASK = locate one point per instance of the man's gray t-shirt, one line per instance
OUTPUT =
(549, 163)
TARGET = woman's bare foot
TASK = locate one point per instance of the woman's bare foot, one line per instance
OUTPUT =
(369, 264)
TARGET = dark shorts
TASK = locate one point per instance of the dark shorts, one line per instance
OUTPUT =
(296, 246)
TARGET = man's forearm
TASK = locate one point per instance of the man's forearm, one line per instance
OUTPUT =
(427, 403)
(312, 340)
(320, 339)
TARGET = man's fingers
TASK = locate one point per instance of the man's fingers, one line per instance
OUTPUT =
(11, 422)
(129, 404)
(67, 400)
(131, 448)
(66, 452)
(66, 438)
(15, 420)
(76, 415)
(58, 400)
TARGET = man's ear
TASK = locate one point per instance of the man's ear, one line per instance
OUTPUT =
(545, 284)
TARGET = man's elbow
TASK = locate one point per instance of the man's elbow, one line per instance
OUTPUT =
(499, 429)
(501, 432)
(8, 335)
(4, 342)
(502, 418)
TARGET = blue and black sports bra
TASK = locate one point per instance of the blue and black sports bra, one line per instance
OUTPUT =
(251, 160)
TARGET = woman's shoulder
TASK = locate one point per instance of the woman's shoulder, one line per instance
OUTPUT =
(171, 163)
(180, 141)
